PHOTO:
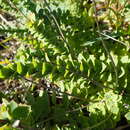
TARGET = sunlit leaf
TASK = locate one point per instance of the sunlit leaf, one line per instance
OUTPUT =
(12, 106)
(19, 68)
(127, 115)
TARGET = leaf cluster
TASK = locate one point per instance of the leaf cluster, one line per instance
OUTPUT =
(65, 76)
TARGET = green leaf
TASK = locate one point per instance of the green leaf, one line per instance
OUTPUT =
(125, 59)
(7, 127)
(41, 107)
(59, 114)
(5, 72)
(47, 58)
(4, 112)
(38, 8)
(54, 98)
(112, 101)
(1, 66)
(66, 72)
(12, 106)
(34, 62)
(127, 115)
(81, 57)
(81, 67)
(30, 98)
(21, 112)
(4, 115)
(71, 59)
(19, 68)
(46, 68)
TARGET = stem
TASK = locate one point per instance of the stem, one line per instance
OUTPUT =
(104, 45)
(57, 25)
(100, 123)
(5, 21)
(113, 38)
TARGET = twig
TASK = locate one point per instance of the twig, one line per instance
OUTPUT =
(112, 38)
(104, 45)
(5, 21)
(94, 82)
(122, 127)
(100, 123)
(57, 25)
(85, 106)
(46, 120)
(60, 31)
(6, 40)
(53, 89)
(54, 19)
(12, 5)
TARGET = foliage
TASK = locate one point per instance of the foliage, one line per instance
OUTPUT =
(72, 65)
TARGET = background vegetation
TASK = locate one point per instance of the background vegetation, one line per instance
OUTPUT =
(64, 64)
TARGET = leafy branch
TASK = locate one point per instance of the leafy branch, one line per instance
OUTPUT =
(104, 45)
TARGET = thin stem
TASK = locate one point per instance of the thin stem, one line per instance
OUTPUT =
(85, 106)
(12, 5)
(5, 21)
(112, 38)
(57, 25)
(122, 127)
(104, 45)
(53, 89)
(100, 123)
